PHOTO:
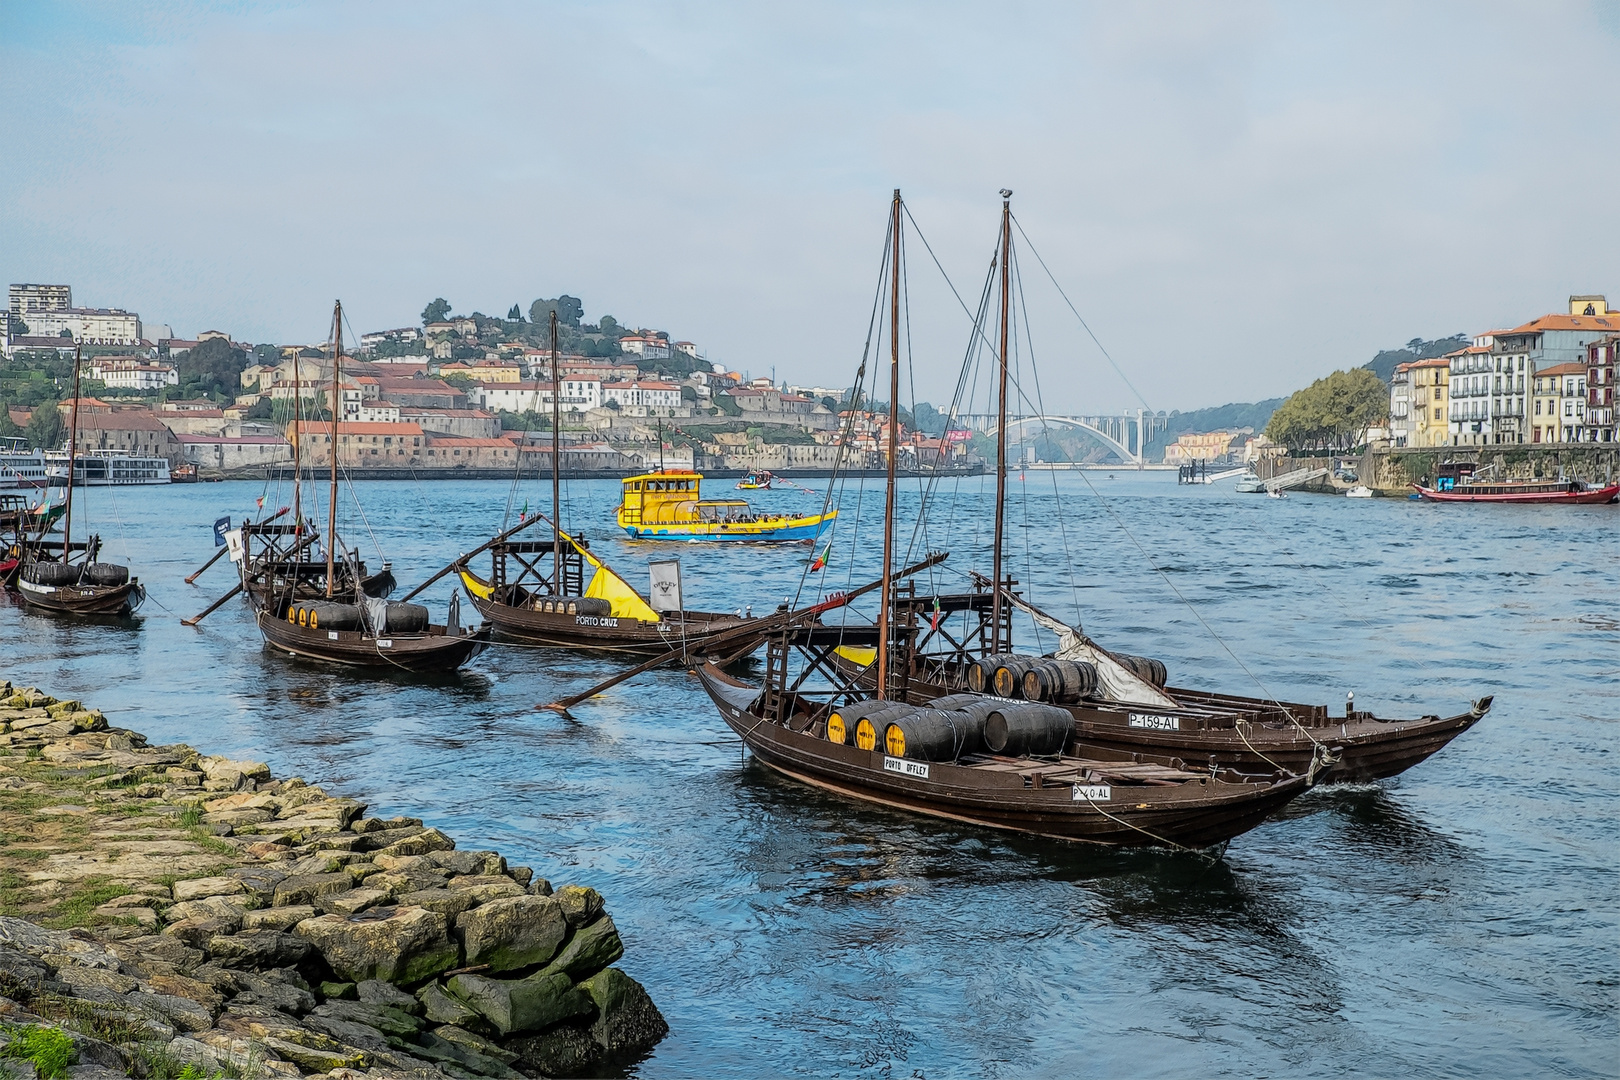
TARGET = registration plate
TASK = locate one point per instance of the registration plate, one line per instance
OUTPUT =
(917, 769)
(1093, 793)
(385, 643)
(1154, 721)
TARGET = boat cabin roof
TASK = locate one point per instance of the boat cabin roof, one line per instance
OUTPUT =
(663, 480)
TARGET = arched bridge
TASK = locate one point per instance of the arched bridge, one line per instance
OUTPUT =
(1125, 434)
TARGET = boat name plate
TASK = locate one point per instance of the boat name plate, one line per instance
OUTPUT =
(331, 635)
(594, 620)
(1154, 721)
(917, 769)
(385, 643)
(1093, 793)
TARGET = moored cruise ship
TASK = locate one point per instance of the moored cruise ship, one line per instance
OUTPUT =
(21, 467)
(106, 468)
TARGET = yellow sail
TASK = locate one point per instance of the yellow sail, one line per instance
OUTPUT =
(606, 585)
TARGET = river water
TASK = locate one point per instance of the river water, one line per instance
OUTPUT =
(1459, 919)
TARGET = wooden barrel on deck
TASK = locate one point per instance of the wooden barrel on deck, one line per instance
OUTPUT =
(1009, 675)
(844, 722)
(1061, 682)
(1146, 668)
(933, 735)
(1027, 728)
(981, 673)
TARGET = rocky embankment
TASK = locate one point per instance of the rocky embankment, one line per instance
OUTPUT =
(170, 914)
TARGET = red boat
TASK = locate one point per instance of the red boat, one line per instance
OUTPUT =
(1522, 491)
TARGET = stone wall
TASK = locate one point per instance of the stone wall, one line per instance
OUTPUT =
(162, 908)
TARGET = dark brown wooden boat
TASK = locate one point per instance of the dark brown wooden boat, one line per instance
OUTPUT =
(351, 628)
(1005, 765)
(49, 578)
(1083, 794)
(576, 601)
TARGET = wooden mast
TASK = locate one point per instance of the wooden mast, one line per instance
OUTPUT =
(893, 448)
(73, 450)
(1001, 422)
(298, 437)
(337, 407)
(556, 465)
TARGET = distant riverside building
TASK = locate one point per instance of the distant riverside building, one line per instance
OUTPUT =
(133, 373)
(1558, 404)
(579, 395)
(1205, 447)
(1400, 405)
(646, 346)
(88, 326)
(1428, 424)
(1600, 403)
(485, 372)
(28, 298)
(638, 395)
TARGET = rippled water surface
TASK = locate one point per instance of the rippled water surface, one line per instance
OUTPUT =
(1460, 919)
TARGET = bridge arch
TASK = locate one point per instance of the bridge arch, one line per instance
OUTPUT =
(1108, 440)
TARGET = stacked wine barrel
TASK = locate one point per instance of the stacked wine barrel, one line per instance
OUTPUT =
(574, 605)
(1044, 678)
(401, 618)
(952, 727)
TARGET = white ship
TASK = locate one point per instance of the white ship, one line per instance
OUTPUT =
(106, 468)
(21, 467)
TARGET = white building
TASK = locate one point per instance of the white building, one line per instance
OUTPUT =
(646, 346)
(27, 298)
(1400, 406)
(578, 395)
(88, 326)
(688, 348)
(133, 373)
(639, 394)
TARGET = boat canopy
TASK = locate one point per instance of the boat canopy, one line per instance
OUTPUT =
(606, 585)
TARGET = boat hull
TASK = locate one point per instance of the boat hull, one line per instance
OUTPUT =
(1193, 815)
(794, 530)
(113, 600)
(602, 633)
(1594, 496)
(416, 653)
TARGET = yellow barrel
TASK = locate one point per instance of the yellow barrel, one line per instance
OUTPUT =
(836, 731)
(894, 741)
(866, 735)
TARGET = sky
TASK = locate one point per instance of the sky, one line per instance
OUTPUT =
(1237, 198)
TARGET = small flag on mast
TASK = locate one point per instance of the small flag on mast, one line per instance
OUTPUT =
(821, 560)
(933, 622)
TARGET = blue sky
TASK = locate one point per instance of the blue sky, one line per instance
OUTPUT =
(1238, 197)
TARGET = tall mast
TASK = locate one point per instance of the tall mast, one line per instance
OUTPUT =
(298, 437)
(1001, 422)
(556, 465)
(73, 450)
(893, 447)
(337, 407)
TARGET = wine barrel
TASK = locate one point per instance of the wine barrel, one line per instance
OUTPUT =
(101, 573)
(933, 735)
(1009, 675)
(981, 673)
(589, 605)
(1061, 682)
(403, 618)
(1027, 728)
(320, 615)
(1146, 669)
(51, 573)
(843, 723)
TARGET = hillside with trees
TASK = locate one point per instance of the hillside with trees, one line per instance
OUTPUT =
(1331, 413)
(1384, 364)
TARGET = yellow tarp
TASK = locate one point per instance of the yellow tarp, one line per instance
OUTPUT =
(856, 655)
(477, 588)
(606, 585)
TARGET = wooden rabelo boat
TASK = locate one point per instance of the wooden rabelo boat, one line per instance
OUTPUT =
(556, 593)
(1119, 703)
(64, 577)
(1524, 491)
(349, 627)
(974, 758)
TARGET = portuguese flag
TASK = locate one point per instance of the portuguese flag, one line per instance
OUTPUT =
(821, 560)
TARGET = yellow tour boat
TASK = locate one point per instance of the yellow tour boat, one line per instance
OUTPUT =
(665, 505)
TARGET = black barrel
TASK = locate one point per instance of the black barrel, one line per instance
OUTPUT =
(933, 735)
(976, 706)
(589, 605)
(1146, 669)
(320, 615)
(1009, 675)
(405, 618)
(51, 573)
(1027, 728)
(1062, 682)
(842, 721)
(981, 673)
(103, 573)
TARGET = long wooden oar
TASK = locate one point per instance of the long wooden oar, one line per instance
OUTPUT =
(480, 549)
(215, 606)
(192, 580)
(757, 631)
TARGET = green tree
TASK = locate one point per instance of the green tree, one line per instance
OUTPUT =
(1331, 413)
(45, 429)
(609, 326)
(540, 313)
(8, 426)
(570, 310)
(515, 315)
(214, 367)
(436, 311)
